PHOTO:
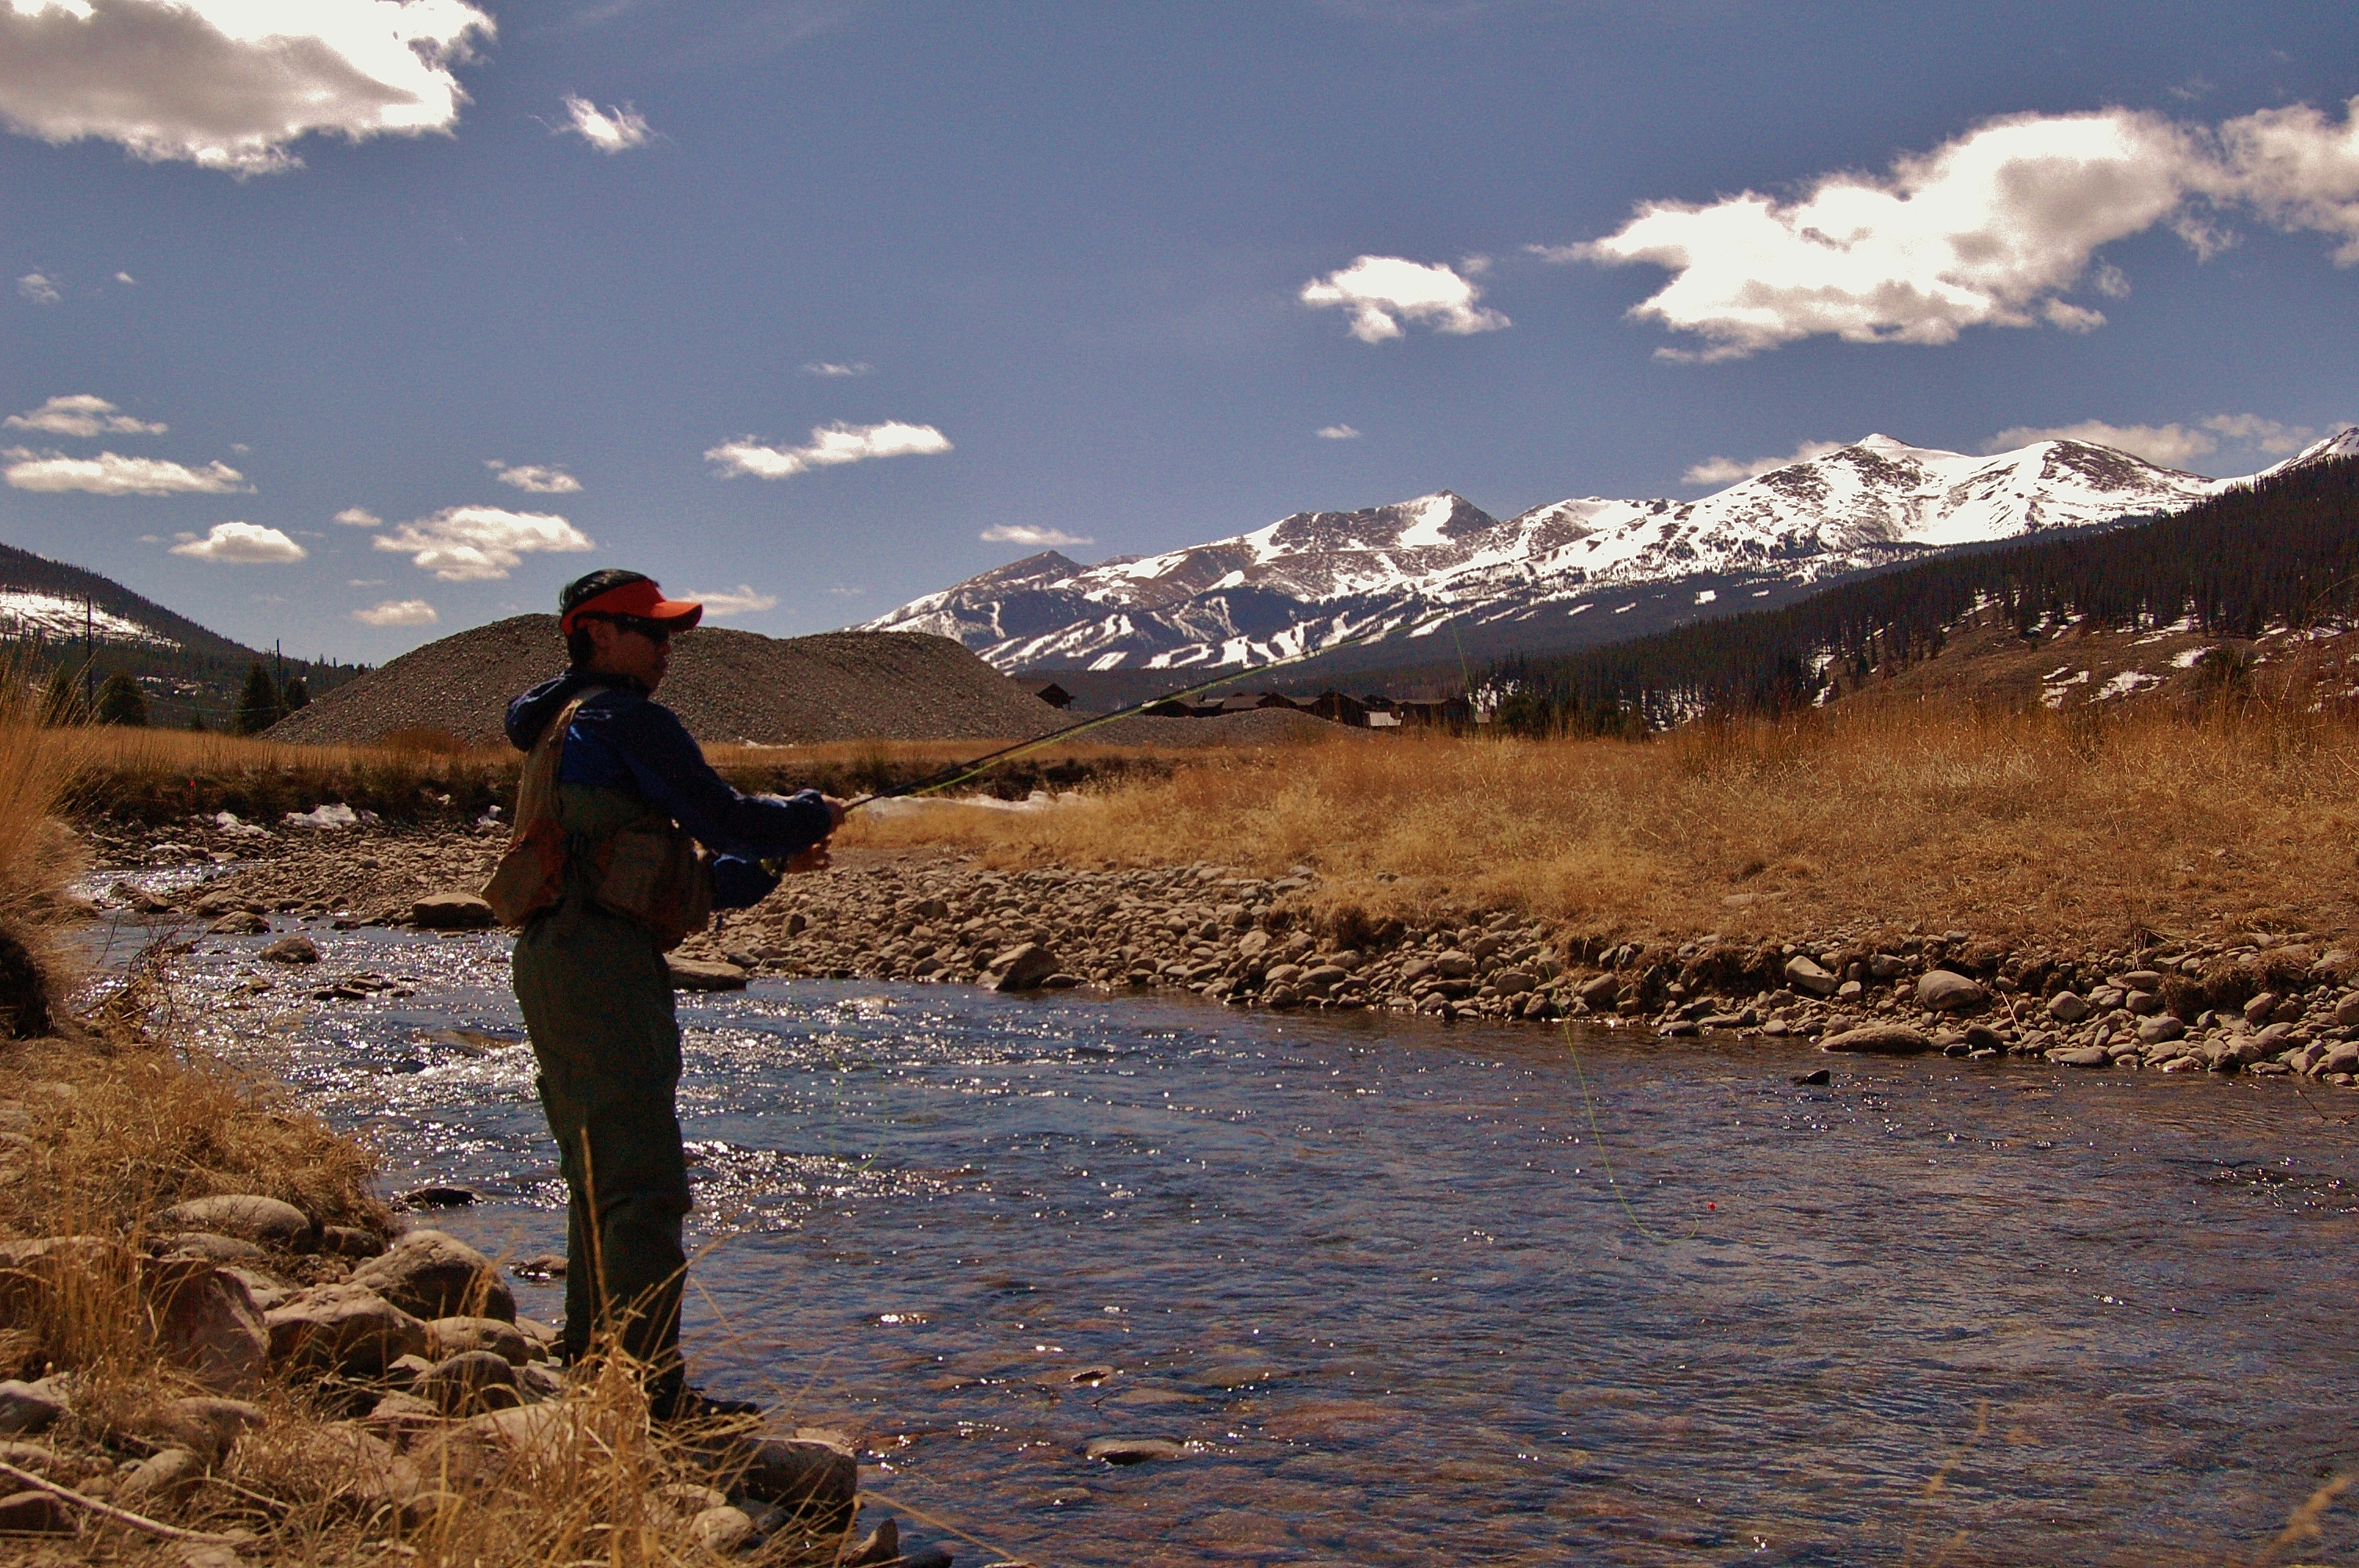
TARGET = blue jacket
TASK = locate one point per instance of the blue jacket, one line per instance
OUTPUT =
(622, 739)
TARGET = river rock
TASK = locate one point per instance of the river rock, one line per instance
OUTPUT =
(249, 1216)
(434, 1276)
(1131, 1450)
(2083, 1056)
(1600, 990)
(211, 1249)
(2159, 1028)
(347, 1328)
(1515, 982)
(296, 949)
(31, 1407)
(1941, 990)
(817, 1479)
(2260, 1008)
(208, 1424)
(1021, 968)
(469, 1383)
(239, 923)
(1803, 973)
(2346, 1011)
(452, 1335)
(704, 974)
(452, 911)
(2067, 1007)
(1454, 965)
(208, 1322)
(1879, 1039)
(721, 1531)
(36, 1513)
(163, 1477)
(368, 1475)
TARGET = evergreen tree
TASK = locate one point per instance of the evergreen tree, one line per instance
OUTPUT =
(257, 705)
(120, 702)
(61, 701)
(197, 725)
(294, 695)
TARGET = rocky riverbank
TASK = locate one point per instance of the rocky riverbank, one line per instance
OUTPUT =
(2267, 1003)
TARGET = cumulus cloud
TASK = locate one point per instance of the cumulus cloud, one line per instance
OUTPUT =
(38, 287)
(742, 601)
(1024, 533)
(80, 413)
(828, 367)
(830, 444)
(397, 613)
(110, 473)
(609, 130)
(1729, 471)
(534, 478)
(2170, 446)
(231, 84)
(1338, 433)
(241, 544)
(1992, 229)
(478, 544)
(1380, 292)
(358, 517)
(126, 279)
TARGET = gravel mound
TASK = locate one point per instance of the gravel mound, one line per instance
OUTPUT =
(728, 688)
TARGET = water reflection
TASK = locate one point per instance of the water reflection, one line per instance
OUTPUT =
(1399, 1297)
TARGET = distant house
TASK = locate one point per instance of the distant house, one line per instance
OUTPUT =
(1451, 713)
(1048, 691)
(1337, 709)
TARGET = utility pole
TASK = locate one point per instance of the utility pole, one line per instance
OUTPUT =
(89, 656)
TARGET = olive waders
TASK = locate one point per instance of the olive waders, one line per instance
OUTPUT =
(598, 1003)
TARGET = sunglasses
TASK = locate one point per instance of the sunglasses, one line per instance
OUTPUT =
(653, 630)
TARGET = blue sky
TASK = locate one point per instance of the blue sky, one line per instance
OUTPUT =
(798, 302)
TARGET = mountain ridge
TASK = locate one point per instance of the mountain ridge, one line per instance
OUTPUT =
(1406, 570)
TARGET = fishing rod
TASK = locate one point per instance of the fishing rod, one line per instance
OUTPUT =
(959, 772)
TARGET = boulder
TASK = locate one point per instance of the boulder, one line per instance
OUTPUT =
(296, 949)
(816, 1479)
(1021, 968)
(347, 1328)
(2261, 1008)
(43, 1280)
(248, 1217)
(1600, 990)
(239, 923)
(1131, 1450)
(2346, 1011)
(2067, 1007)
(36, 1513)
(434, 1275)
(2159, 1028)
(704, 974)
(1879, 1039)
(1455, 965)
(1803, 973)
(452, 1335)
(1944, 991)
(206, 1321)
(2090, 1056)
(470, 1383)
(452, 911)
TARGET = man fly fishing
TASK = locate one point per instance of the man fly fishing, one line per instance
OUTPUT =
(626, 840)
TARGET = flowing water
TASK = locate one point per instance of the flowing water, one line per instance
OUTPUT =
(1410, 1293)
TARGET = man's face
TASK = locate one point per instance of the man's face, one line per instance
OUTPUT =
(638, 650)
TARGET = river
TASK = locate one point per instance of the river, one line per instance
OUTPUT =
(1410, 1293)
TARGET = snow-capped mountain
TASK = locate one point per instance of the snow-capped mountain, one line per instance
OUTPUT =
(1410, 569)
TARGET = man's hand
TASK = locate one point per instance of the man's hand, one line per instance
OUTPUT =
(816, 858)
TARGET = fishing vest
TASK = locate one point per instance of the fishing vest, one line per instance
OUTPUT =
(644, 867)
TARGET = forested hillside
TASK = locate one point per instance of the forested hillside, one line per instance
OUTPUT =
(2283, 551)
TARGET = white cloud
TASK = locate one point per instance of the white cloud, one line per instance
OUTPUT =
(610, 131)
(39, 288)
(477, 544)
(397, 613)
(364, 582)
(241, 544)
(1382, 291)
(125, 278)
(1991, 229)
(826, 367)
(1024, 533)
(81, 414)
(110, 473)
(742, 601)
(831, 445)
(231, 84)
(1338, 433)
(1728, 470)
(533, 476)
(2171, 446)
(358, 517)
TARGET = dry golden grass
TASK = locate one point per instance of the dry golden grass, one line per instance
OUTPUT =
(2081, 828)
